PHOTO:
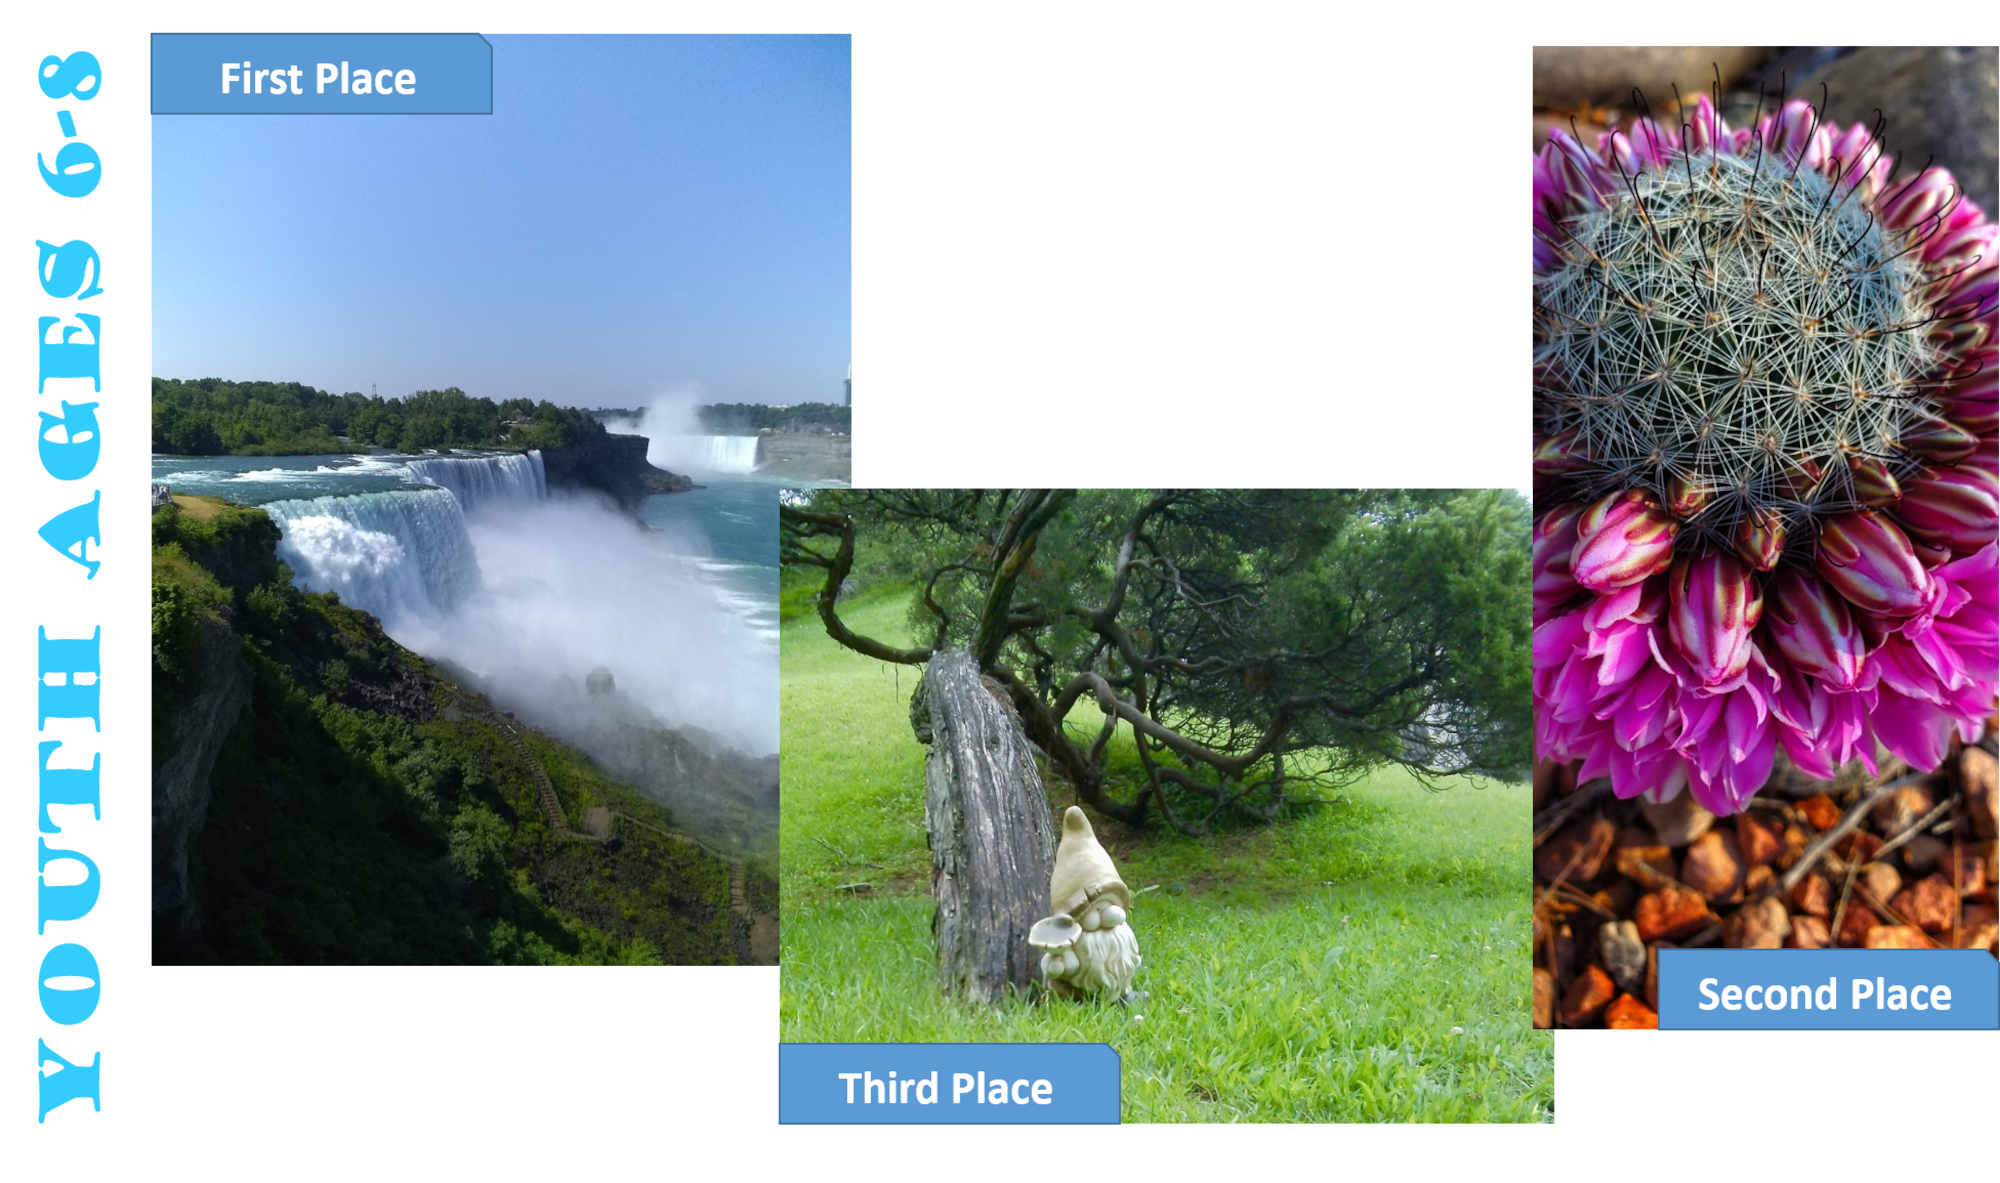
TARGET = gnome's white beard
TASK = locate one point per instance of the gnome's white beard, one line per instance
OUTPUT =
(1106, 962)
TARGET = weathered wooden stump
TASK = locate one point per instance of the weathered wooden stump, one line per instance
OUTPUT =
(992, 840)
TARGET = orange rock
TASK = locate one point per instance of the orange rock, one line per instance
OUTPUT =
(1895, 936)
(1760, 877)
(1821, 812)
(1879, 882)
(1813, 896)
(1858, 847)
(1576, 852)
(1758, 838)
(1808, 932)
(1930, 904)
(1678, 822)
(1977, 773)
(1545, 999)
(1855, 924)
(1901, 809)
(1762, 925)
(1978, 928)
(1795, 847)
(1714, 867)
(1587, 997)
(1627, 1013)
(1672, 914)
(1648, 866)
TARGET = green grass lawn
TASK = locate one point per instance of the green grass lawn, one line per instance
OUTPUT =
(1364, 961)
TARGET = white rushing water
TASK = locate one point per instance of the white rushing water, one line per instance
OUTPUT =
(485, 570)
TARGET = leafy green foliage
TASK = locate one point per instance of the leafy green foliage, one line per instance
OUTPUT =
(1266, 643)
(365, 810)
(1312, 969)
(210, 416)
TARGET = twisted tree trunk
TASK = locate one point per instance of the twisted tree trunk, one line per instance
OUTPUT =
(991, 837)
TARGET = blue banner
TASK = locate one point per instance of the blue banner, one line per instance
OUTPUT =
(322, 74)
(947, 1083)
(1829, 989)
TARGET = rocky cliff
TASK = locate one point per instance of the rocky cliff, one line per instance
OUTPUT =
(180, 781)
(615, 465)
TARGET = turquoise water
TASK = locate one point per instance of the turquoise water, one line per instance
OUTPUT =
(738, 517)
(260, 480)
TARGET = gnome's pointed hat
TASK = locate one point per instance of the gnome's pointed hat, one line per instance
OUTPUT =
(1083, 870)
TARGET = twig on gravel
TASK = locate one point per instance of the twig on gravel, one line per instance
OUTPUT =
(1916, 828)
(1852, 818)
(1555, 815)
(1818, 850)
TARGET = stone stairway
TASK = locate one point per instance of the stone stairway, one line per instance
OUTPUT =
(544, 790)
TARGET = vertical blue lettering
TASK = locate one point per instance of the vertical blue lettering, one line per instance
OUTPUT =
(66, 901)
(69, 1007)
(68, 786)
(69, 658)
(67, 358)
(69, 530)
(74, 456)
(67, 1083)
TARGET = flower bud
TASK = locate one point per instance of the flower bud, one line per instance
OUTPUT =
(1760, 538)
(1913, 201)
(1972, 399)
(1622, 540)
(1800, 477)
(1954, 507)
(1557, 455)
(1874, 484)
(1936, 439)
(1712, 606)
(1555, 538)
(1686, 495)
(1815, 629)
(1867, 559)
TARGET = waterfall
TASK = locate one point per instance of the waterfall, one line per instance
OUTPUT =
(481, 481)
(722, 453)
(395, 555)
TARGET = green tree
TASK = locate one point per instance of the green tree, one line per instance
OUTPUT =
(1260, 645)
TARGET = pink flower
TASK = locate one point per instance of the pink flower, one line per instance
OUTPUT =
(1794, 553)
(1621, 540)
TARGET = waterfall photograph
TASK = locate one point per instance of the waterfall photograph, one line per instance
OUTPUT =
(465, 636)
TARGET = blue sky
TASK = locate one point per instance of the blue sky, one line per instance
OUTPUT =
(638, 214)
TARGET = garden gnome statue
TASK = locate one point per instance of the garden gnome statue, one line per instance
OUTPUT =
(1087, 947)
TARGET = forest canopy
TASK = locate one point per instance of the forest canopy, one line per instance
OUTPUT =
(1262, 646)
(212, 416)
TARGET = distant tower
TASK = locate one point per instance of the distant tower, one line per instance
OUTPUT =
(850, 384)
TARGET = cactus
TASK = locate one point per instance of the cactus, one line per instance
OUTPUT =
(1763, 366)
